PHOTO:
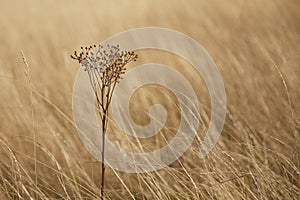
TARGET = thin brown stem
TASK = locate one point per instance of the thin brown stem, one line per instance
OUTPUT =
(104, 121)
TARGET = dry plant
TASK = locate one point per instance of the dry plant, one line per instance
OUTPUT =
(255, 45)
(105, 67)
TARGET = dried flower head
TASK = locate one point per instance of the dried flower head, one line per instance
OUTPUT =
(105, 66)
(107, 61)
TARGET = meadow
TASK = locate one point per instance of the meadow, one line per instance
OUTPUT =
(256, 46)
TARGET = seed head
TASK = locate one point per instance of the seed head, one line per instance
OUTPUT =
(105, 62)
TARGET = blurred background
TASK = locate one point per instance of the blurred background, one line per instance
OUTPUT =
(256, 46)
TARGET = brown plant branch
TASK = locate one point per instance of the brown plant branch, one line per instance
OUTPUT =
(105, 67)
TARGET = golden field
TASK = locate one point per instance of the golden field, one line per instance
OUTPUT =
(256, 46)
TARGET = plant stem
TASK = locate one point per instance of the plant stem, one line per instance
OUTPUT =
(102, 152)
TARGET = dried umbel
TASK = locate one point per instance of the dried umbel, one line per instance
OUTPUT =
(107, 63)
(105, 66)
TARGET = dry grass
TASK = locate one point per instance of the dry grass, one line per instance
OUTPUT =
(256, 47)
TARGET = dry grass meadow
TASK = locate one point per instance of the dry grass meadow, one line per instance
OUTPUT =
(256, 46)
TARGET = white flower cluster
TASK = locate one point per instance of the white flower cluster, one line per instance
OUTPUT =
(100, 57)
